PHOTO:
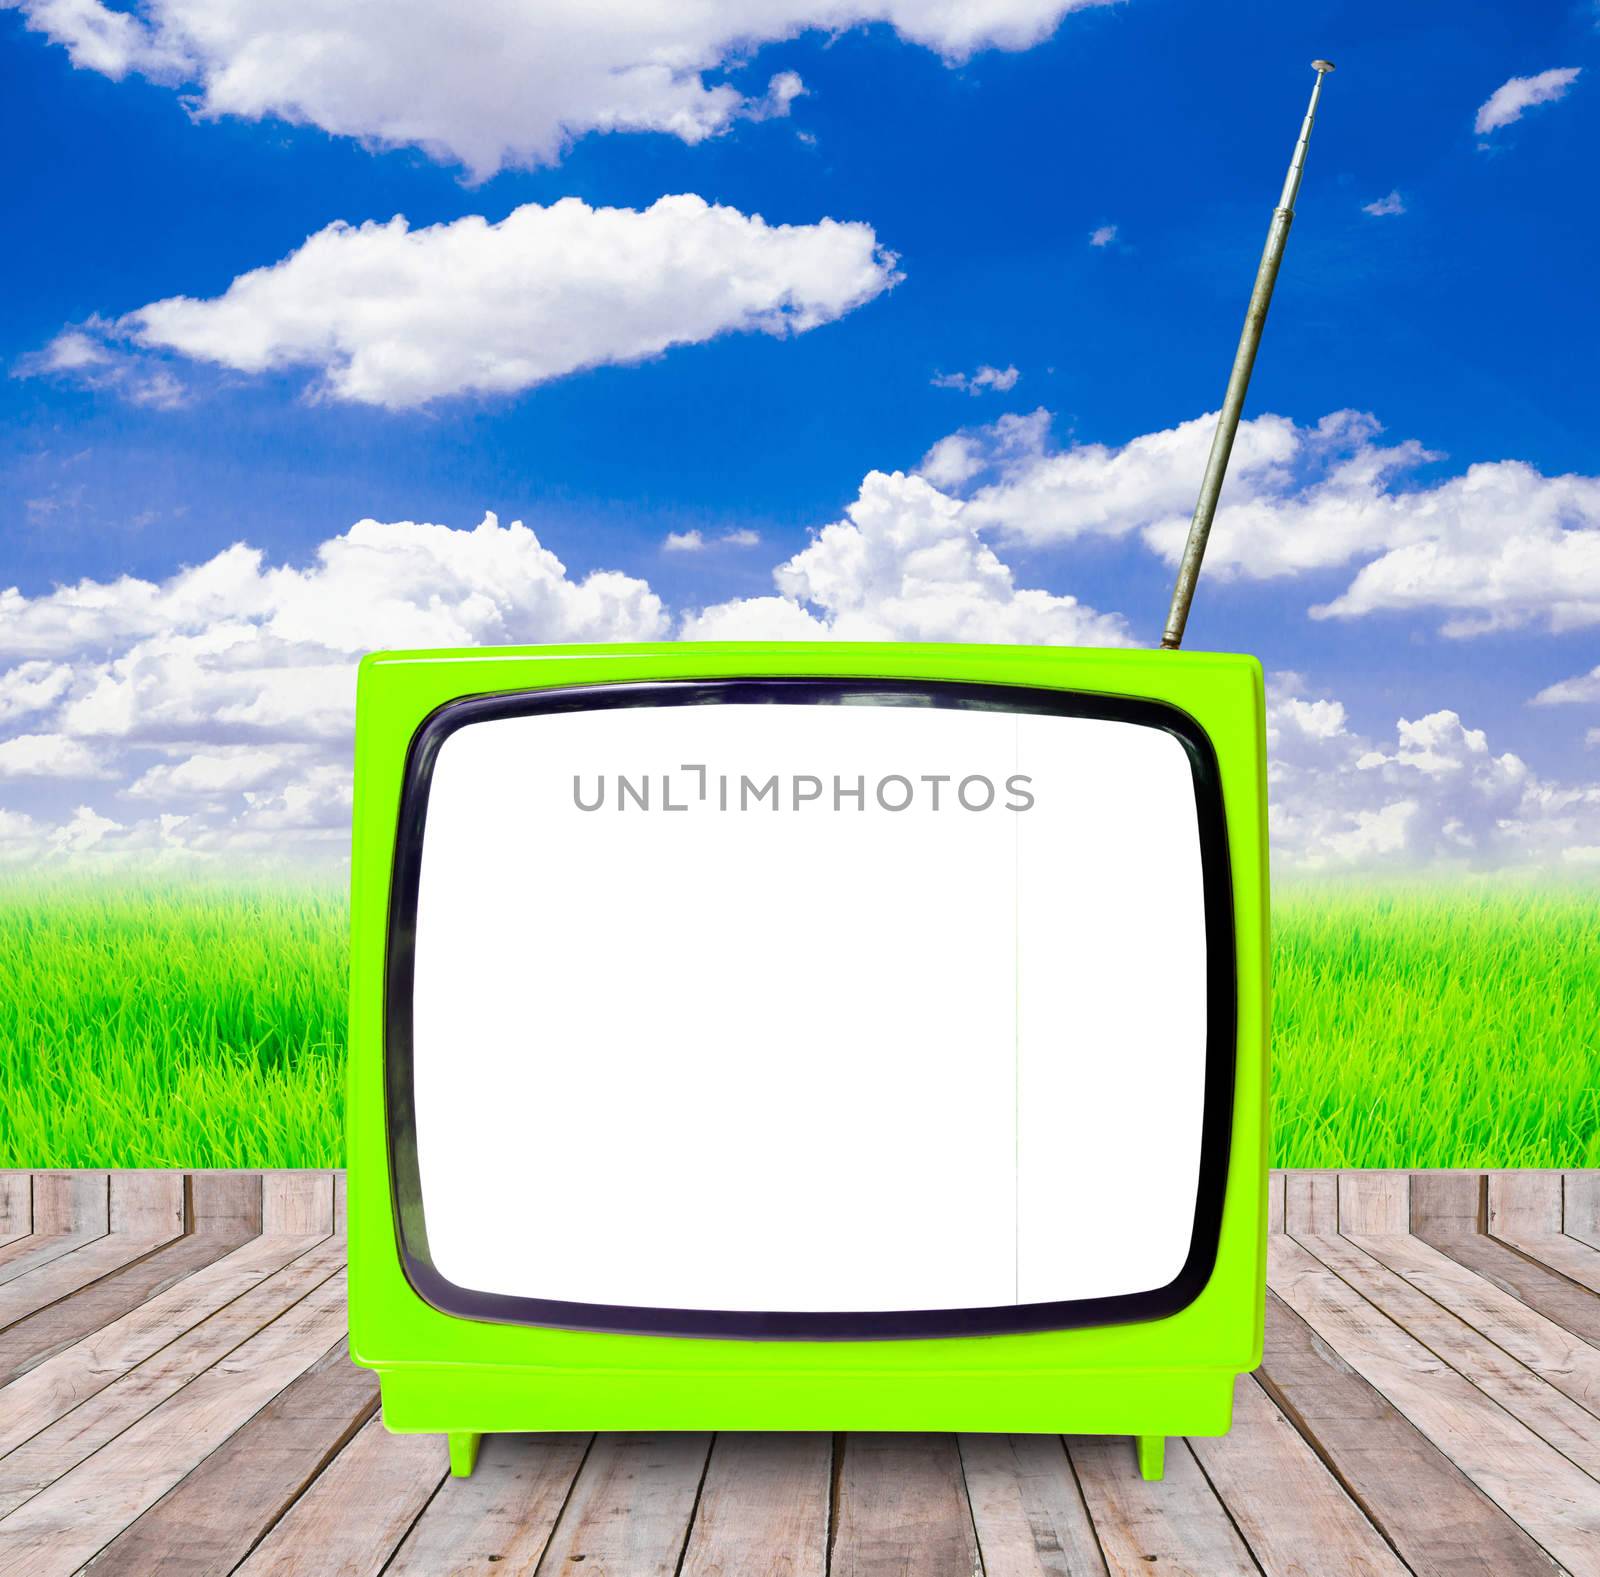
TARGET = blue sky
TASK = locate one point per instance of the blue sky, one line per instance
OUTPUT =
(1465, 323)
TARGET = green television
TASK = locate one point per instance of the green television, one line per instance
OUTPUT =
(808, 1036)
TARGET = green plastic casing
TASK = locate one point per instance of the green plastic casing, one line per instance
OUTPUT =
(440, 1373)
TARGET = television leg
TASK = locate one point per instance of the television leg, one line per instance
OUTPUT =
(1152, 1456)
(463, 1452)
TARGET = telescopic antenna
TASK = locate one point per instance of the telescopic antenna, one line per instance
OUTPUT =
(1244, 359)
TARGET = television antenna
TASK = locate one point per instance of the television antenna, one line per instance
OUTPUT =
(1244, 360)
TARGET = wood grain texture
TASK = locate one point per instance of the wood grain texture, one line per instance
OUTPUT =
(1565, 1361)
(1552, 1294)
(66, 1409)
(1580, 1207)
(1311, 1202)
(68, 1273)
(631, 1506)
(902, 1509)
(1027, 1509)
(1544, 1492)
(146, 1204)
(1374, 1202)
(297, 1202)
(1293, 1514)
(1574, 1260)
(763, 1508)
(1176, 1525)
(39, 1336)
(1439, 1522)
(351, 1519)
(209, 1522)
(65, 1524)
(498, 1521)
(1522, 1204)
(71, 1202)
(1275, 1202)
(1553, 1416)
(16, 1205)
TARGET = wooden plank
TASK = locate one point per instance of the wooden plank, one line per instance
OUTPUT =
(81, 1512)
(147, 1204)
(71, 1272)
(71, 1202)
(1523, 1204)
(1580, 1206)
(348, 1523)
(1547, 1291)
(630, 1508)
(42, 1248)
(67, 1210)
(1439, 1522)
(1027, 1508)
(1554, 1500)
(1453, 1202)
(1548, 1349)
(1574, 1260)
(1292, 1512)
(500, 1519)
(212, 1519)
(1539, 1403)
(763, 1508)
(228, 1203)
(902, 1509)
(65, 1410)
(1275, 1202)
(1374, 1202)
(1177, 1525)
(32, 1340)
(16, 1205)
(1311, 1202)
(297, 1202)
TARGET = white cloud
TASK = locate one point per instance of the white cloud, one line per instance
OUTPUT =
(985, 377)
(1510, 99)
(497, 82)
(1102, 235)
(1498, 546)
(91, 356)
(225, 694)
(48, 756)
(1583, 688)
(1435, 795)
(1384, 206)
(392, 316)
(694, 540)
(905, 565)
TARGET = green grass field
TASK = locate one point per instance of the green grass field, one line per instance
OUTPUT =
(202, 1025)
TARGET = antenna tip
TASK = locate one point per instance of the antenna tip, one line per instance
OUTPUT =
(1322, 65)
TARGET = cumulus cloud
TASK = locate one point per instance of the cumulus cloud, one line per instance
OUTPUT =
(222, 699)
(1498, 546)
(498, 82)
(1102, 235)
(1510, 99)
(906, 564)
(390, 316)
(1385, 206)
(1434, 795)
(985, 377)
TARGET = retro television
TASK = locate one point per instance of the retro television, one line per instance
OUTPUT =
(810, 1036)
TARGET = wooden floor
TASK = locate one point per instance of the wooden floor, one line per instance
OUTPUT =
(175, 1399)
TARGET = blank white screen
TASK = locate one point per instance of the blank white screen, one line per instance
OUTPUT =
(814, 1058)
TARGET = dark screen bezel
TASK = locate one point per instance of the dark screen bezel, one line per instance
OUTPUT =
(1221, 1017)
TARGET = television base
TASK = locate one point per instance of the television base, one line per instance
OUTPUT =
(1152, 1456)
(464, 1452)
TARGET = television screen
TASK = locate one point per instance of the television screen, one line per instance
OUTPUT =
(809, 1008)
